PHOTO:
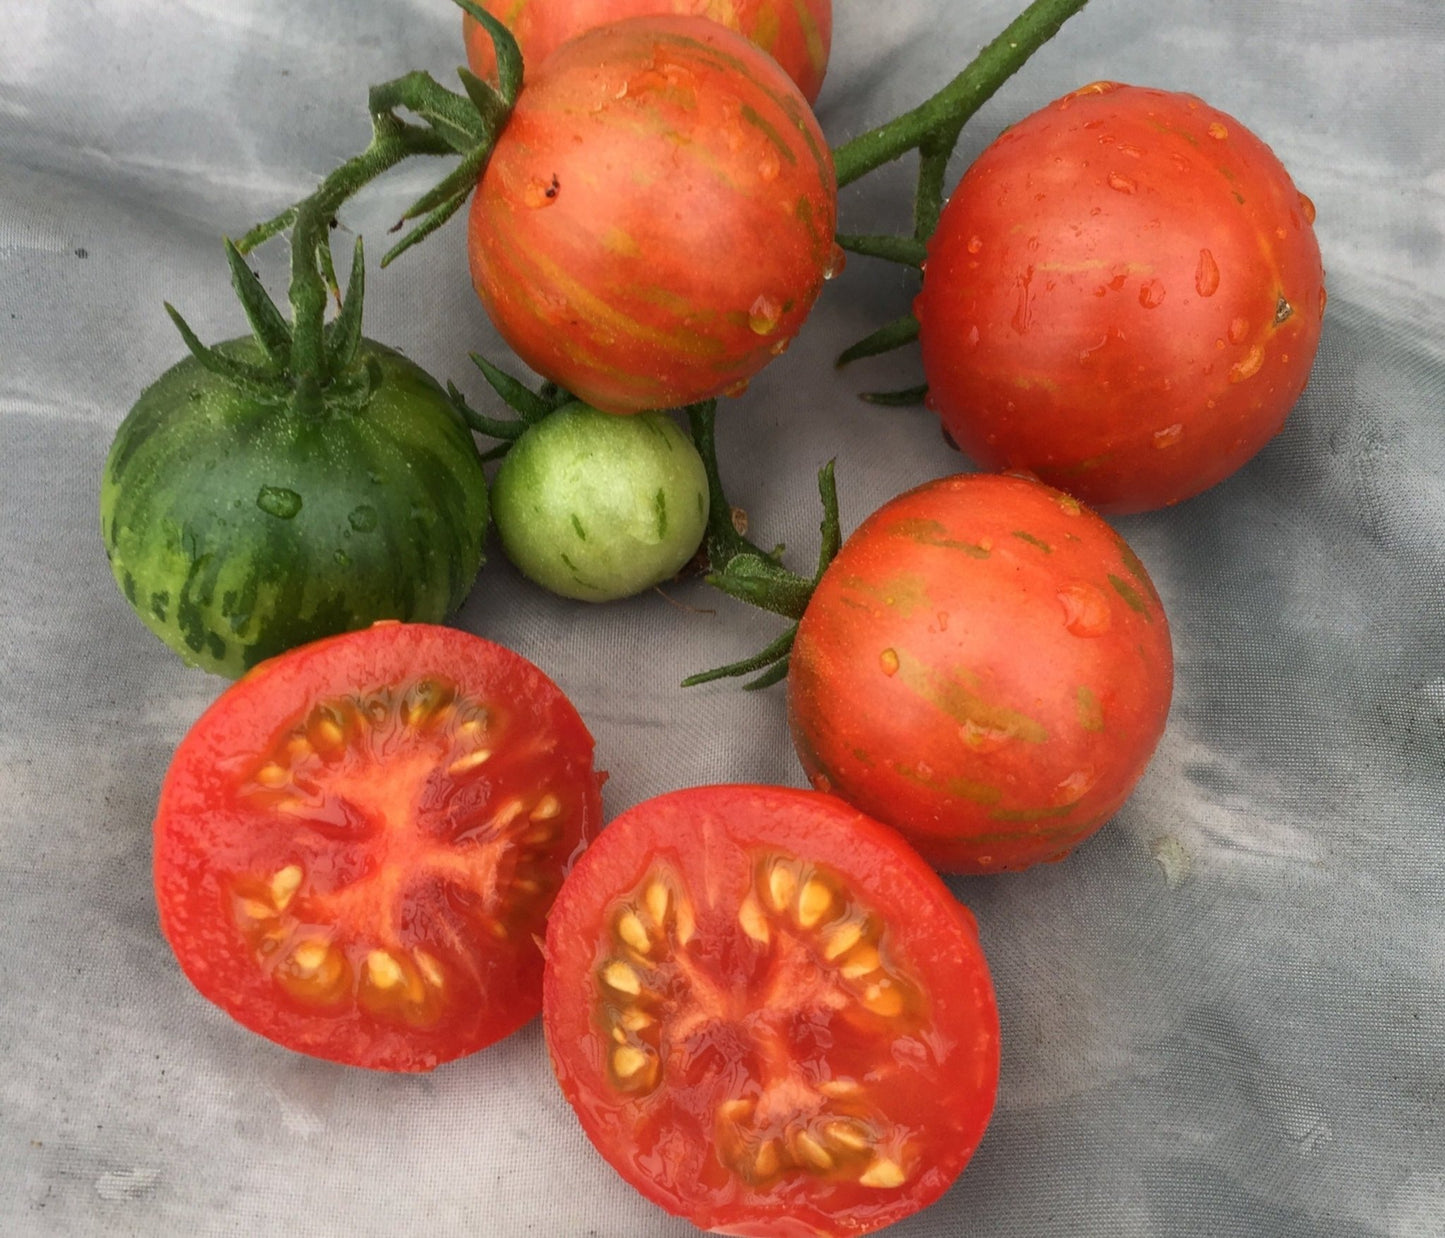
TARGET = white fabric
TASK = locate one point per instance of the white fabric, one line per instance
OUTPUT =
(1224, 1016)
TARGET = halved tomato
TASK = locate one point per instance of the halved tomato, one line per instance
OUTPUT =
(770, 1015)
(357, 842)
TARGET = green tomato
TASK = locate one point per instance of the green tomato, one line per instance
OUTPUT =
(597, 507)
(240, 527)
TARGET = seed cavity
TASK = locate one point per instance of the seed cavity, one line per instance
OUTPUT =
(631, 929)
(754, 923)
(808, 1149)
(781, 887)
(815, 902)
(383, 970)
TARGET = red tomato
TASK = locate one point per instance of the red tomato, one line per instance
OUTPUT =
(657, 218)
(356, 843)
(796, 33)
(1123, 297)
(986, 667)
(770, 1016)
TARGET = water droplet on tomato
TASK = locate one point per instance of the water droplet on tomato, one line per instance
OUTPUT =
(278, 501)
(1218, 131)
(1086, 610)
(736, 389)
(975, 243)
(972, 337)
(1123, 184)
(778, 347)
(1151, 294)
(1324, 296)
(1206, 275)
(888, 662)
(1308, 208)
(769, 165)
(1238, 330)
(837, 260)
(342, 558)
(1249, 367)
(363, 519)
(764, 315)
(1169, 435)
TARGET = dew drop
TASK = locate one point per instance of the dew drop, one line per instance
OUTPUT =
(1324, 296)
(1238, 330)
(972, 336)
(1308, 208)
(1151, 294)
(769, 165)
(975, 244)
(1122, 183)
(1206, 275)
(1249, 367)
(778, 347)
(342, 558)
(1169, 435)
(888, 662)
(837, 260)
(1086, 610)
(764, 315)
(363, 519)
(278, 501)
(736, 389)
(1218, 131)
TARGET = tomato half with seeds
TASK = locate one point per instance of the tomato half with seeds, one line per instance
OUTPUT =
(986, 667)
(657, 218)
(770, 1015)
(1124, 297)
(796, 33)
(357, 842)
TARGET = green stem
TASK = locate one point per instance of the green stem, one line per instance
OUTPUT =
(905, 250)
(934, 153)
(724, 542)
(962, 97)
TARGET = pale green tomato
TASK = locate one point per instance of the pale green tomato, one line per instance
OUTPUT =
(597, 507)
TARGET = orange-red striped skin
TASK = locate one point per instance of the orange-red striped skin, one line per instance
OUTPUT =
(986, 667)
(657, 219)
(798, 34)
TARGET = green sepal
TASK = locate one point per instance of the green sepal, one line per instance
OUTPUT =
(343, 336)
(507, 429)
(905, 250)
(509, 55)
(906, 398)
(761, 582)
(352, 391)
(896, 334)
(831, 529)
(489, 104)
(262, 384)
(521, 399)
(775, 655)
(268, 324)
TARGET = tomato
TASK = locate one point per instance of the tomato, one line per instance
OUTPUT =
(597, 507)
(796, 33)
(984, 666)
(770, 1016)
(239, 525)
(356, 843)
(1123, 296)
(657, 218)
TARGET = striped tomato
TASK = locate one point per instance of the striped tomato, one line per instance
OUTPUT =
(986, 667)
(796, 33)
(657, 219)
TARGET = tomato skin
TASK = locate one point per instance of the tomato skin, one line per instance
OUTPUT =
(796, 35)
(638, 163)
(923, 1080)
(1101, 298)
(986, 667)
(363, 853)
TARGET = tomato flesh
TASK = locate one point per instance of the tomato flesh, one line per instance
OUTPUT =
(769, 1014)
(356, 843)
(1124, 297)
(986, 667)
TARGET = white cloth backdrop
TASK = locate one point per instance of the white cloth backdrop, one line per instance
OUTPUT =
(1224, 1016)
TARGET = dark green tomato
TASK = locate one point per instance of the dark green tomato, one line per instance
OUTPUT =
(598, 507)
(239, 528)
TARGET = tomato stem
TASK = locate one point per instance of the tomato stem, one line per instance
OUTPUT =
(904, 250)
(947, 111)
(893, 335)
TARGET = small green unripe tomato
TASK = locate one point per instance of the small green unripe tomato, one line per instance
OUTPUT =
(597, 507)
